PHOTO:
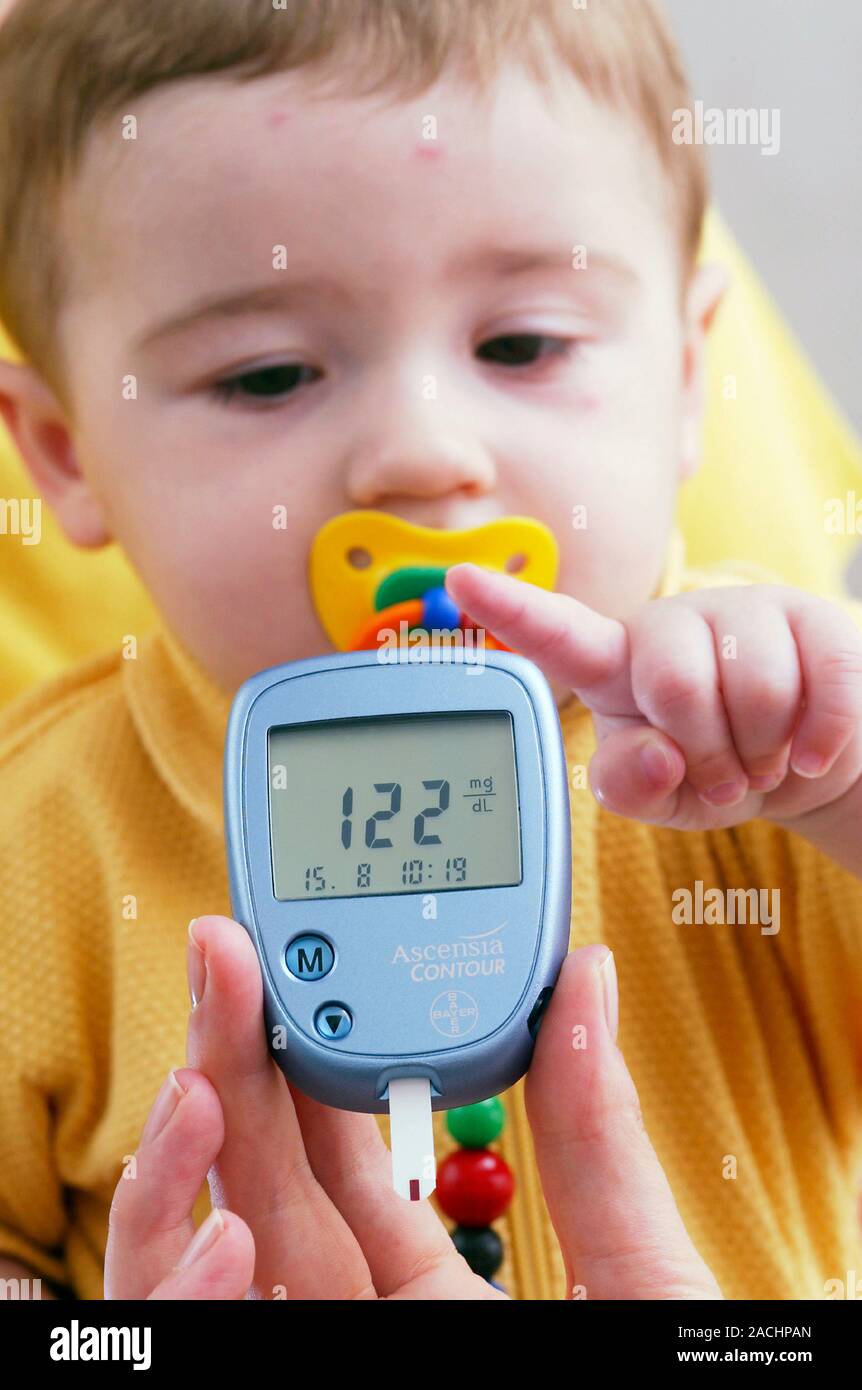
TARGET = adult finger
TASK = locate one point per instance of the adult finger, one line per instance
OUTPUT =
(218, 1264)
(304, 1247)
(150, 1223)
(618, 1225)
(341, 1192)
(404, 1243)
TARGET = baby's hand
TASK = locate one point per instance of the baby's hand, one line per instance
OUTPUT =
(710, 708)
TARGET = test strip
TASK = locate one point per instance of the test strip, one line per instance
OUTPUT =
(414, 1169)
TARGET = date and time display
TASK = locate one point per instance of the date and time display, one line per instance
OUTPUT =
(397, 804)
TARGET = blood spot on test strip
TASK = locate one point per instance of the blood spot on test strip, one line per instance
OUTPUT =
(414, 1189)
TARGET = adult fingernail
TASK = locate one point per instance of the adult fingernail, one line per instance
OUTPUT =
(610, 990)
(203, 1239)
(165, 1105)
(197, 967)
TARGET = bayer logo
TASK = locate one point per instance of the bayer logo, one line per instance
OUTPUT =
(454, 1013)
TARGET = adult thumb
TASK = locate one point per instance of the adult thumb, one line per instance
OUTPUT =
(619, 1229)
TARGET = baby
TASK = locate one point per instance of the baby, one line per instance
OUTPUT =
(439, 261)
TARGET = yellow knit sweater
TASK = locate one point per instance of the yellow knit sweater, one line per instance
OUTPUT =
(744, 1046)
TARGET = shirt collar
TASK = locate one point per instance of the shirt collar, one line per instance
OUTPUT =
(181, 716)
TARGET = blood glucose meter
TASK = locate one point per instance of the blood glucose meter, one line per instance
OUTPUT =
(399, 853)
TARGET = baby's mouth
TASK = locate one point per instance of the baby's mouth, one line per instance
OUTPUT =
(375, 579)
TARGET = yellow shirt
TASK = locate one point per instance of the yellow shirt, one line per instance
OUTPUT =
(744, 1046)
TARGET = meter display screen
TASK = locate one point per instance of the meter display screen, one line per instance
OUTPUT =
(393, 804)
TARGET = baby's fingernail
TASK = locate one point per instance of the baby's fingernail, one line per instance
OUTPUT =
(809, 765)
(165, 1104)
(765, 784)
(656, 764)
(197, 967)
(203, 1239)
(610, 989)
(726, 793)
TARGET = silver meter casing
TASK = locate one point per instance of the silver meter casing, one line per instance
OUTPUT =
(448, 985)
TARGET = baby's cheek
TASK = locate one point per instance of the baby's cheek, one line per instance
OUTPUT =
(589, 404)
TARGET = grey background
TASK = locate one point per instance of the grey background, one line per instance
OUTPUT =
(797, 214)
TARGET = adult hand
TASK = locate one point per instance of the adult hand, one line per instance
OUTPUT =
(302, 1194)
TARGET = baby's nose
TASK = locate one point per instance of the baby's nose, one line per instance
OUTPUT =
(420, 468)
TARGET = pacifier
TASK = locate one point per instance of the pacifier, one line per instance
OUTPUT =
(370, 572)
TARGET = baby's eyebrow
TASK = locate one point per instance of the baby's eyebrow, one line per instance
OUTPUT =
(490, 261)
(245, 300)
(526, 260)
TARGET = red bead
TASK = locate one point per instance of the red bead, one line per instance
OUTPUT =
(474, 1186)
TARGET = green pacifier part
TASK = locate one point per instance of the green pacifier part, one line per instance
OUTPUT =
(413, 581)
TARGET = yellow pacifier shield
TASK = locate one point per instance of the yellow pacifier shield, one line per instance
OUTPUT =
(353, 554)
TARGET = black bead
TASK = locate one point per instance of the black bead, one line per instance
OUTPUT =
(481, 1247)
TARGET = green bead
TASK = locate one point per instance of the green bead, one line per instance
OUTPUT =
(474, 1126)
(412, 581)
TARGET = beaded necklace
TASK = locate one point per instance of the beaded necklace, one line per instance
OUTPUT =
(475, 1185)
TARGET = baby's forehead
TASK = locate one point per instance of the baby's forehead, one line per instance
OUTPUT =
(221, 170)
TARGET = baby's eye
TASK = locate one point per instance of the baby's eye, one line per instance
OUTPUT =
(524, 349)
(267, 383)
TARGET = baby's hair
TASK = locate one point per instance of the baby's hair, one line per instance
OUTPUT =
(68, 67)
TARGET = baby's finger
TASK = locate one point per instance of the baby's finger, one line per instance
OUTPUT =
(830, 651)
(637, 772)
(676, 687)
(618, 1225)
(218, 1264)
(571, 643)
(150, 1222)
(762, 684)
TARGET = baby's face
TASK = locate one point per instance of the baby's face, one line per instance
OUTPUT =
(430, 345)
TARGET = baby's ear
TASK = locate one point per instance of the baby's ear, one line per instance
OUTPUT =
(706, 290)
(38, 425)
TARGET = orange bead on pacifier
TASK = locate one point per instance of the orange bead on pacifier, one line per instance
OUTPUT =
(372, 574)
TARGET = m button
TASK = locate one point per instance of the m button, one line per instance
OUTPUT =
(309, 958)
